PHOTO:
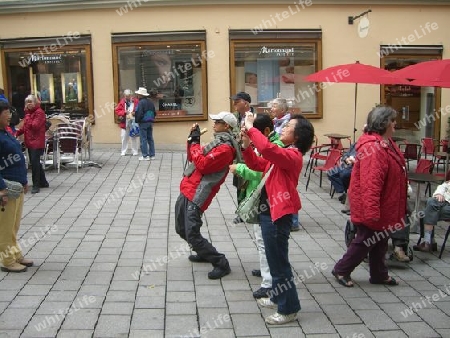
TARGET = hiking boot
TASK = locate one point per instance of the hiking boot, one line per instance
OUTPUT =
(197, 259)
(400, 255)
(295, 228)
(14, 267)
(45, 185)
(237, 220)
(256, 273)
(266, 302)
(342, 198)
(25, 262)
(35, 190)
(279, 319)
(423, 247)
(219, 272)
(262, 293)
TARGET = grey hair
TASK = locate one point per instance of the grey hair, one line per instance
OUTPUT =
(127, 92)
(282, 103)
(379, 118)
(31, 97)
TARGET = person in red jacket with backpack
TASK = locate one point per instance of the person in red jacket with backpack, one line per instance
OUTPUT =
(34, 133)
(378, 193)
(279, 201)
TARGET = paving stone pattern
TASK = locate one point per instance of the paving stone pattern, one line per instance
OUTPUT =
(109, 264)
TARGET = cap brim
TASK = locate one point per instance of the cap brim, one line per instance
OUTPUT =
(235, 97)
(215, 117)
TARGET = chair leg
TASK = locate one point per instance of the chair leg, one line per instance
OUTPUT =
(320, 185)
(421, 230)
(445, 240)
(307, 182)
(307, 166)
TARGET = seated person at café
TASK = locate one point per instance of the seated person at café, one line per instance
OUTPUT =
(437, 209)
(339, 176)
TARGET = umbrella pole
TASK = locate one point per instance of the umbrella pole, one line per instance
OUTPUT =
(354, 118)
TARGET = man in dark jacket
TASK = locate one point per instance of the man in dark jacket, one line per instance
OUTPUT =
(201, 182)
(145, 116)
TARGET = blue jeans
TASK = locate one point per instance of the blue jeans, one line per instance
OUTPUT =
(295, 222)
(340, 179)
(276, 242)
(146, 134)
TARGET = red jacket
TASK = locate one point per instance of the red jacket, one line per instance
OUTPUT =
(281, 185)
(209, 174)
(121, 109)
(34, 128)
(378, 185)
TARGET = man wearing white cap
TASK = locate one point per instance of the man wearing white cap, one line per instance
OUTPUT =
(125, 112)
(201, 182)
(145, 116)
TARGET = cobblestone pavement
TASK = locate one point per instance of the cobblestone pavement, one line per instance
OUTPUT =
(109, 264)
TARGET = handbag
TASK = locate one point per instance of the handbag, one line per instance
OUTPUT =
(14, 189)
(134, 129)
(248, 208)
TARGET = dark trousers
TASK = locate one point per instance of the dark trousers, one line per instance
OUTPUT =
(147, 142)
(401, 237)
(276, 242)
(37, 172)
(340, 179)
(366, 240)
(188, 221)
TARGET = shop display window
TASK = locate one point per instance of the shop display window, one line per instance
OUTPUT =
(270, 68)
(61, 79)
(416, 105)
(174, 70)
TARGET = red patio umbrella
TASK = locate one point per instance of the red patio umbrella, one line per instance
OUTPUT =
(427, 73)
(356, 73)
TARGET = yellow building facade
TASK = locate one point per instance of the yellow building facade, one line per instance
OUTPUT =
(79, 56)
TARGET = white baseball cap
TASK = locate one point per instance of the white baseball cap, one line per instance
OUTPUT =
(227, 117)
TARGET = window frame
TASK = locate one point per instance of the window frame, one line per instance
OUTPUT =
(159, 44)
(267, 41)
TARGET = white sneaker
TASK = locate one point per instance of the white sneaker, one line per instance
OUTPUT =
(123, 154)
(142, 158)
(266, 302)
(135, 154)
(153, 158)
(278, 319)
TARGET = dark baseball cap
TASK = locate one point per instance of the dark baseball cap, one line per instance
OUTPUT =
(242, 95)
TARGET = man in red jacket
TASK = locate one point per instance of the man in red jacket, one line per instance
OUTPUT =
(34, 134)
(201, 182)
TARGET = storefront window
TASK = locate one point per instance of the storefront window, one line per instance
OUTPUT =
(176, 71)
(61, 79)
(268, 69)
(416, 105)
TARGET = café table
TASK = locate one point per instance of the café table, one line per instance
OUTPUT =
(336, 139)
(419, 179)
(398, 139)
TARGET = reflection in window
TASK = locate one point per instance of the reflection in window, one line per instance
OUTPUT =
(59, 80)
(176, 71)
(267, 70)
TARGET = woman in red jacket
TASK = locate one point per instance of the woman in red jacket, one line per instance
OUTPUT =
(378, 192)
(278, 202)
(34, 134)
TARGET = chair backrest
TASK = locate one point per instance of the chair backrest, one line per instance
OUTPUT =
(412, 151)
(427, 145)
(444, 144)
(424, 166)
(332, 158)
